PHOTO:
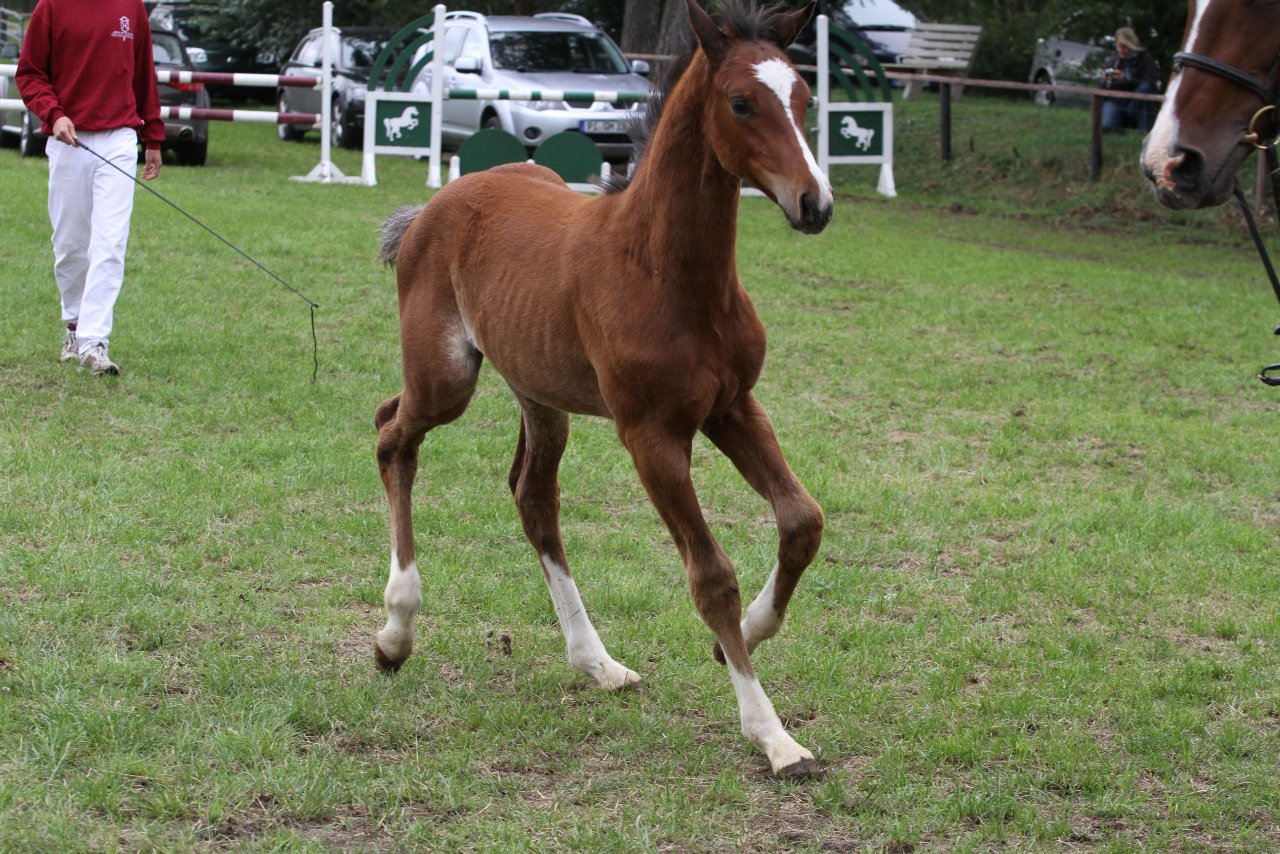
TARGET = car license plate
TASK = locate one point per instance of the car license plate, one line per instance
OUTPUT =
(602, 126)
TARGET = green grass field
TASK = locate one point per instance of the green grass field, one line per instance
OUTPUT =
(1045, 616)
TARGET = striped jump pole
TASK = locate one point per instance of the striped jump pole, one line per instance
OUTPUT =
(223, 78)
(254, 116)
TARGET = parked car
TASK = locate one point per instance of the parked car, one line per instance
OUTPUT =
(548, 51)
(883, 25)
(1061, 60)
(194, 23)
(188, 139)
(21, 124)
(354, 50)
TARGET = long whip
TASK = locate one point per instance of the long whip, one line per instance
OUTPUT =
(315, 347)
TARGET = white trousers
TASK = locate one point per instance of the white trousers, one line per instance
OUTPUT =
(90, 205)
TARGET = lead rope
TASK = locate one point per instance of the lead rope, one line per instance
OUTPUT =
(1267, 374)
(315, 347)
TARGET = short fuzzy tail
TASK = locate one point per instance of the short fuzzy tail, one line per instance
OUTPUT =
(393, 230)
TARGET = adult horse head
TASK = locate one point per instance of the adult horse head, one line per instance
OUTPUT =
(1220, 102)
(626, 306)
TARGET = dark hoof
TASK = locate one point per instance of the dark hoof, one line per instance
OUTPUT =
(803, 770)
(385, 664)
(718, 654)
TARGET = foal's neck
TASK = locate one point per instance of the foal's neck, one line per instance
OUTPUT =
(684, 203)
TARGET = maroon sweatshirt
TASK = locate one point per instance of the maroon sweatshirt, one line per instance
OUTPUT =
(91, 60)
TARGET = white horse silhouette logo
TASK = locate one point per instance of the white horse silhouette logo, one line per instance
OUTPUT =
(408, 120)
(861, 136)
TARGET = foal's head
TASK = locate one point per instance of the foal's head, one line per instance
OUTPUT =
(754, 111)
(1195, 147)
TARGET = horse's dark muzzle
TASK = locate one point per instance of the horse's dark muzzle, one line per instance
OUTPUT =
(814, 217)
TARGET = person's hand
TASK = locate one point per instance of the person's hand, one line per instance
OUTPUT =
(152, 164)
(64, 130)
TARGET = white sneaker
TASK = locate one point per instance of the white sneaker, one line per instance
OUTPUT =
(70, 349)
(97, 361)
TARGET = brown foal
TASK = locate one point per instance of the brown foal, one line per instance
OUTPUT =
(625, 306)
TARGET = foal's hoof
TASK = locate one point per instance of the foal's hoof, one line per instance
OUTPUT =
(802, 770)
(385, 663)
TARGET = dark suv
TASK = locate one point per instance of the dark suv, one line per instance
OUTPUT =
(354, 50)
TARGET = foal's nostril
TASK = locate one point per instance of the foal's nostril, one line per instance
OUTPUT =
(813, 217)
(808, 209)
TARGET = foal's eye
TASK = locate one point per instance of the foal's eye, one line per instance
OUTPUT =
(740, 106)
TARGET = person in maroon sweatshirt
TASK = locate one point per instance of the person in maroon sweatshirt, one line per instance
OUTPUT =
(86, 70)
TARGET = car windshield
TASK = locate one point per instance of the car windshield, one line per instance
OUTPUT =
(550, 51)
(877, 15)
(166, 49)
(360, 52)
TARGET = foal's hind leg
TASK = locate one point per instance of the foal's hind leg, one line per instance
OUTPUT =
(402, 423)
(662, 459)
(746, 437)
(543, 434)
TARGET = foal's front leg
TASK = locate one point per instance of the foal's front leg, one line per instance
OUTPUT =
(746, 437)
(662, 459)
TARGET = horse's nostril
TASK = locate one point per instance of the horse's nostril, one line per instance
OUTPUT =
(1185, 167)
(810, 212)
(813, 217)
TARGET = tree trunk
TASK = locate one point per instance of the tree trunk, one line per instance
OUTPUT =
(642, 26)
(676, 36)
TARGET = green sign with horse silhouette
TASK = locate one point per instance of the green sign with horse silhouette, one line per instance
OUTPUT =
(857, 133)
(406, 124)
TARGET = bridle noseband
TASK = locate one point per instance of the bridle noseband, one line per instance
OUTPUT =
(1268, 91)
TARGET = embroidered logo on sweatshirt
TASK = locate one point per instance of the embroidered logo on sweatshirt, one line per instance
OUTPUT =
(123, 33)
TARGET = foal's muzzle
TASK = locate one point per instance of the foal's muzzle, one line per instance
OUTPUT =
(814, 215)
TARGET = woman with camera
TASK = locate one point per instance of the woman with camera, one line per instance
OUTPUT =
(1130, 69)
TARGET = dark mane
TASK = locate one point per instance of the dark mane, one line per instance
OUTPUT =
(743, 20)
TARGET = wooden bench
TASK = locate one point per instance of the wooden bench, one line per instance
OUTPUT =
(938, 49)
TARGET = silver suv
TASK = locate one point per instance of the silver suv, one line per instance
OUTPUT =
(549, 51)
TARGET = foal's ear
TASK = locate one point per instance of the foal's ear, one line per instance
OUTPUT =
(789, 24)
(714, 43)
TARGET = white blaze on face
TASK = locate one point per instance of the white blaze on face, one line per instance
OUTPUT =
(781, 79)
(1159, 143)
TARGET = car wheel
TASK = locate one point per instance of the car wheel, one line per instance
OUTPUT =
(31, 142)
(192, 153)
(287, 133)
(1043, 97)
(340, 134)
(491, 121)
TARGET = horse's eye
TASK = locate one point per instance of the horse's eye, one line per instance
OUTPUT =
(740, 106)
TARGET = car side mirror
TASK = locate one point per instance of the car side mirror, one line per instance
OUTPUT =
(468, 64)
(639, 66)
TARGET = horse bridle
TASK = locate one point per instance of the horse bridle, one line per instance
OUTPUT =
(1268, 91)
